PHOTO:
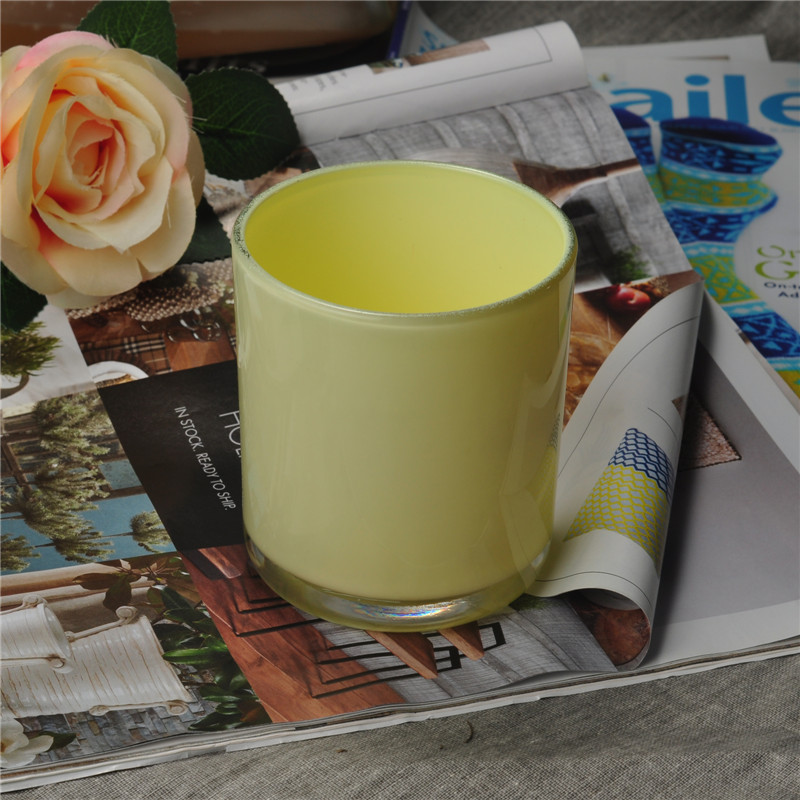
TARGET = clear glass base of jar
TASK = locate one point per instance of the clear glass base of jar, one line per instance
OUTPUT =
(385, 615)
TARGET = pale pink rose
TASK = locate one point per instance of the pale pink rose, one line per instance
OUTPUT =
(102, 172)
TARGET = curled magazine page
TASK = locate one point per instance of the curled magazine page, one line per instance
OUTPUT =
(619, 455)
(730, 581)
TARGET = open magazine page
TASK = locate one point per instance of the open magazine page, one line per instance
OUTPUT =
(721, 144)
(619, 458)
(202, 651)
(499, 69)
(730, 579)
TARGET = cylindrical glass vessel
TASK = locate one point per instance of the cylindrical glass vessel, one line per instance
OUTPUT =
(402, 334)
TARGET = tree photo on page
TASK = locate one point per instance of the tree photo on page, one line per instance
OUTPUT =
(105, 151)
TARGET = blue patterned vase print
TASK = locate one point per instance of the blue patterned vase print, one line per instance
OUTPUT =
(709, 183)
(710, 171)
(640, 137)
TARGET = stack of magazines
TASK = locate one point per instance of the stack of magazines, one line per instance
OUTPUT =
(144, 633)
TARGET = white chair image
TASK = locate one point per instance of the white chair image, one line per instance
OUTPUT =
(31, 632)
(113, 666)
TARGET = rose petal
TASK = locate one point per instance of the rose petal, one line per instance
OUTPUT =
(135, 221)
(15, 221)
(130, 100)
(31, 267)
(76, 181)
(57, 43)
(100, 273)
(16, 95)
(51, 142)
(136, 200)
(9, 127)
(10, 145)
(69, 298)
(9, 60)
(29, 135)
(86, 150)
(172, 81)
(171, 111)
(31, 110)
(163, 249)
(196, 167)
(142, 136)
(142, 216)
(86, 180)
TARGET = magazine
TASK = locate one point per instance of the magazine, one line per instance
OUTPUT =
(133, 628)
(720, 141)
(436, 83)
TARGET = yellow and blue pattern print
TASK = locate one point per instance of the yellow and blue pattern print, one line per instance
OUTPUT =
(632, 495)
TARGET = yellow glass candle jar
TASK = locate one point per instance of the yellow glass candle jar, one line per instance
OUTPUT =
(402, 335)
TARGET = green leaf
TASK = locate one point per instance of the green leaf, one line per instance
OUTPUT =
(238, 682)
(187, 616)
(209, 241)
(153, 597)
(177, 607)
(206, 626)
(146, 26)
(229, 709)
(119, 593)
(173, 600)
(215, 644)
(59, 739)
(226, 674)
(193, 656)
(215, 722)
(244, 124)
(174, 636)
(96, 581)
(19, 304)
(213, 693)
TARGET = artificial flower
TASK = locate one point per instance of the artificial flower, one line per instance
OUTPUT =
(102, 171)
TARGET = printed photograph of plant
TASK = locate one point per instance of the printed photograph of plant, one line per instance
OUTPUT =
(69, 493)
